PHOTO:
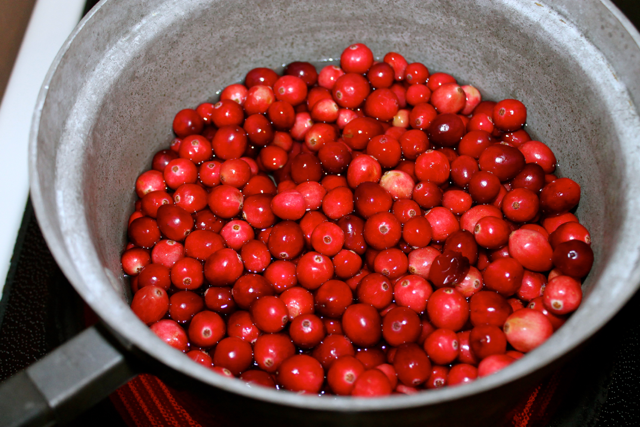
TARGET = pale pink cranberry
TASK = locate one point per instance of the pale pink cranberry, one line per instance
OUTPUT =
(527, 329)
(397, 183)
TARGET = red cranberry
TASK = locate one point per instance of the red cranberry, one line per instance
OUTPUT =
(562, 295)
(362, 324)
(448, 309)
(286, 240)
(489, 308)
(187, 122)
(150, 304)
(234, 354)
(343, 374)
(271, 350)
(574, 258)
(442, 346)
(206, 329)
(307, 331)
(560, 196)
(332, 298)
(223, 268)
(371, 383)
(412, 365)
(509, 115)
(220, 300)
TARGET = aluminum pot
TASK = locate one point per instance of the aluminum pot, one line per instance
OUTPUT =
(111, 94)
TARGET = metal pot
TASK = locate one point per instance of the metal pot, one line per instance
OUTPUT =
(110, 96)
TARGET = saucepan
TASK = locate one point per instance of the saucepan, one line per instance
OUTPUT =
(109, 99)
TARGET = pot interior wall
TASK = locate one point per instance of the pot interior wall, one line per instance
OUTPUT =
(145, 61)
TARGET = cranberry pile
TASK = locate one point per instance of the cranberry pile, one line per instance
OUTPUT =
(416, 238)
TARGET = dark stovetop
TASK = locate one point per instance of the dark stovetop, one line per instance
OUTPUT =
(40, 310)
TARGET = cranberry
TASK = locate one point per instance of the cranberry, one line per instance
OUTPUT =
(527, 329)
(559, 196)
(187, 122)
(187, 273)
(206, 329)
(357, 58)
(420, 261)
(433, 166)
(343, 374)
(307, 331)
(487, 340)
(350, 90)
(504, 276)
(412, 291)
(562, 295)
(446, 130)
(484, 187)
(332, 298)
(347, 263)
(303, 70)
(200, 357)
(286, 240)
(271, 350)
(427, 194)
(417, 232)
(235, 92)
(220, 300)
(503, 161)
(443, 223)
(223, 268)
(442, 346)
(448, 309)
(240, 325)
(382, 231)
(448, 269)
(174, 222)
(491, 232)
(150, 304)
(574, 258)
(331, 348)
(489, 308)
(165, 252)
(569, 231)
(171, 333)
(328, 76)
(363, 168)
(412, 365)
(376, 290)
(461, 374)
(234, 354)
(531, 249)
(416, 73)
(382, 104)
(509, 115)
(362, 324)
(154, 275)
(494, 363)
(556, 320)
(371, 383)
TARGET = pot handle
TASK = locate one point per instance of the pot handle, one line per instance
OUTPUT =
(69, 380)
